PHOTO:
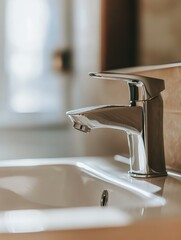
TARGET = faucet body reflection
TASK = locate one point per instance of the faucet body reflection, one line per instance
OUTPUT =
(142, 120)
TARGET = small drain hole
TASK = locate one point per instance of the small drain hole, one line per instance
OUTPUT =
(104, 198)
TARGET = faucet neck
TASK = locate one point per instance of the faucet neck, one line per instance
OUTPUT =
(147, 148)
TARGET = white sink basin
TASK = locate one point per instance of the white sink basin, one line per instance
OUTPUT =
(69, 185)
(60, 189)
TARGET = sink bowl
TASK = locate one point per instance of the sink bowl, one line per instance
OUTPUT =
(68, 184)
(46, 194)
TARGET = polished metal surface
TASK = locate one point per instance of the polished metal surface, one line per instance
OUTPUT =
(140, 88)
(104, 198)
(142, 120)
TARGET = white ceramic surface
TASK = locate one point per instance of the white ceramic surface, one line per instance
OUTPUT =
(69, 184)
(48, 194)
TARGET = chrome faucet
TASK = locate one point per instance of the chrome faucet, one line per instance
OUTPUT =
(142, 120)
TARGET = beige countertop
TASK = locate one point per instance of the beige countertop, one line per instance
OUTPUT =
(162, 229)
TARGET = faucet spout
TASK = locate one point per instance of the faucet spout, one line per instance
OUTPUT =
(145, 144)
(125, 118)
(142, 120)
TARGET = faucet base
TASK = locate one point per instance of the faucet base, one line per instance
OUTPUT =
(151, 175)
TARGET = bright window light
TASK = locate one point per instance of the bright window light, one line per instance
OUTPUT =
(31, 30)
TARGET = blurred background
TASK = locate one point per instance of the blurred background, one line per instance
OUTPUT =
(47, 49)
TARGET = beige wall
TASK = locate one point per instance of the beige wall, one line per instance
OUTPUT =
(159, 30)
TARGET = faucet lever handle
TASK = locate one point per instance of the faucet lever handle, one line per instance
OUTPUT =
(141, 88)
